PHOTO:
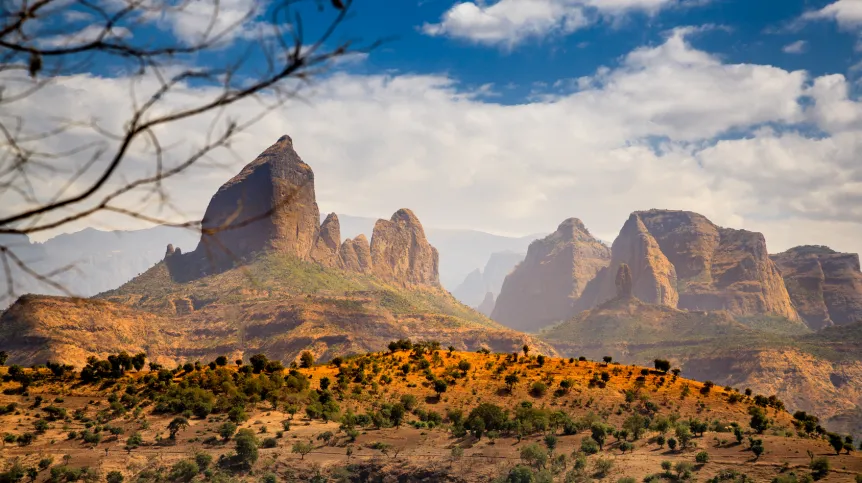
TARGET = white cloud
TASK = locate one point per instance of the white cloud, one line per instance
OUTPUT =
(798, 47)
(510, 22)
(85, 35)
(637, 136)
(848, 13)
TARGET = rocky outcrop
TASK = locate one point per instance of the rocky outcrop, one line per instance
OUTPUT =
(325, 249)
(400, 252)
(719, 268)
(487, 305)
(355, 255)
(624, 282)
(542, 289)
(269, 205)
(472, 290)
(652, 277)
(824, 285)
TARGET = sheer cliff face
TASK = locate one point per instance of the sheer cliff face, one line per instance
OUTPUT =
(270, 205)
(325, 249)
(824, 285)
(653, 277)
(719, 268)
(401, 253)
(542, 289)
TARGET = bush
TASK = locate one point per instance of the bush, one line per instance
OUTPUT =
(602, 466)
(246, 446)
(202, 459)
(269, 443)
(539, 389)
(184, 470)
(534, 455)
(819, 467)
(114, 477)
(702, 457)
(589, 445)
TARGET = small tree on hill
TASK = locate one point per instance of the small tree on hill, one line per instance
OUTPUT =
(176, 425)
(306, 360)
(440, 387)
(662, 365)
(608, 359)
(526, 350)
(246, 446)
(301, 449)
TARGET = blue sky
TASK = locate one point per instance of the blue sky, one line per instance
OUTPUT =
(512, 115)
(751, 32)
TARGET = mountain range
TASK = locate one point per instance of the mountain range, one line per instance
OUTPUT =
(270, 274)
(710, 299)
(265, 276)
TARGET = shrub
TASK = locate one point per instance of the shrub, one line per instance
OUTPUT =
(702, 457)
(202, 459)
(819, 467)
(602, 466)
(589, 445)
(184, 470)
(246, 446)
(534, 455)
(538, 389)
(114, 477)
(683, 469)
(301, 449)
(269, 443)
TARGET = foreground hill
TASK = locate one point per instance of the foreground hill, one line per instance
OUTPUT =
(816, 372)
(267, 276)
(420, 414)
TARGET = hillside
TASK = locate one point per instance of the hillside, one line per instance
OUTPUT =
(420, 414)
(816, 372)
(276, 304)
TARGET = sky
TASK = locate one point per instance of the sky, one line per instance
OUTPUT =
(510, 116)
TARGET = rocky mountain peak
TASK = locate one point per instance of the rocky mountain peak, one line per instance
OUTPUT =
(824, 285)
(401, 253)
(542, 289)
(269, 205)
(325, 249)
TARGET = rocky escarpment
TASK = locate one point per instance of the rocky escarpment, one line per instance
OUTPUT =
(355, 254)
(325, 249)
(542, 289)
(719, 268)
(269, 205)
(824, 285)
(652, 277)
(400, 252)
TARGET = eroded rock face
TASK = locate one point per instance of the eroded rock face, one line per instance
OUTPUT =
(652, 277)
(719, 268)
(269, 205)
(325, 249)
(824, 285)
(355, 255)
(401, 253)
(542, 289)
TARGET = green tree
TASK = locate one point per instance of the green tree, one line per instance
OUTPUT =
(526, 350)
(176, 425)
(306, 359)
(301, 449)
(534, 455)
(226, 430)
(246, 446)
(836, 442)
(599, 433)
(114, 477)
(759, 421)
(440, 387)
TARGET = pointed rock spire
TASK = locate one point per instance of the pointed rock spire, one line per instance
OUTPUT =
(325, 249)
(401, 253)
